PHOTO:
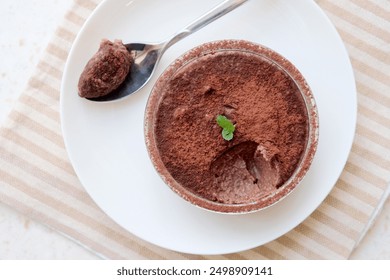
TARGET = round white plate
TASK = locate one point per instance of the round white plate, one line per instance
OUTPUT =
(105, 141)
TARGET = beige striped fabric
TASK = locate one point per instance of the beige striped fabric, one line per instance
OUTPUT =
(37, 179)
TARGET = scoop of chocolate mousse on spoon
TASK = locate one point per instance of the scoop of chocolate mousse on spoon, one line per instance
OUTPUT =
(111, 75)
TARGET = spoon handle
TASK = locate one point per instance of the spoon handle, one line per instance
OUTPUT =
(218, 11)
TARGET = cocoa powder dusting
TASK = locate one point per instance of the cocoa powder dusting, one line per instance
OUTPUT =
(259, 98)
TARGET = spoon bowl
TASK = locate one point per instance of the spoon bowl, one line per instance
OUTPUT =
(146, 58)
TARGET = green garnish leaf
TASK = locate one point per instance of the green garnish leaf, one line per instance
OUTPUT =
(227, 135)
(227, 127)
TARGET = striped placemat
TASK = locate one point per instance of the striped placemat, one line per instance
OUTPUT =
(37, 179)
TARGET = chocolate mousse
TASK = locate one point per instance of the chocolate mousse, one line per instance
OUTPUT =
(106, 70)
(263, 102)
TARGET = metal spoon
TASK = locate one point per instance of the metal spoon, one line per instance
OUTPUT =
(147, 56)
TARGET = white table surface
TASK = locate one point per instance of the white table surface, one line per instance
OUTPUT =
(27, 27)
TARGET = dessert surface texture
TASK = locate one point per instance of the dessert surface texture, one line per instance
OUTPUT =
(266, 108)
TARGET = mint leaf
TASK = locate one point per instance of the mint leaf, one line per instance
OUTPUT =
(227, 127)
(227, 135)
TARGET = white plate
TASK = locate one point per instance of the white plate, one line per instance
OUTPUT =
(105, 141)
